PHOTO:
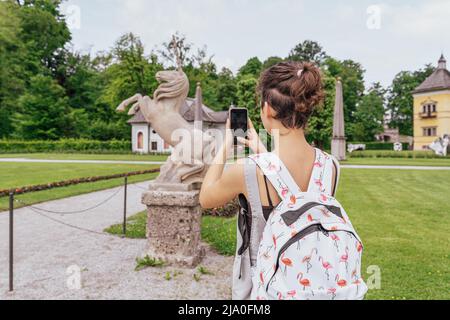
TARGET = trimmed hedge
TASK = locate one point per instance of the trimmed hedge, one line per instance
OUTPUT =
(65, 146)
(228, 210)
(381, 145)
(395, 154)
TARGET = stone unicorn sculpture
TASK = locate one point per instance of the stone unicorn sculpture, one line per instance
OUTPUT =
(193, 150)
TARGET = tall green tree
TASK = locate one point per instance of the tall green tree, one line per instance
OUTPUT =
(320, 126)
(369, 115)
(247, 98)
(131, 72)
(271, 61)
(45, 113)
(226, 89)
(400, 99)
(252, 67)
(308, 51)
(44, 32)
(12, 73)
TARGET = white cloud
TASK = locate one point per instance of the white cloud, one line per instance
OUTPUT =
(429, 19)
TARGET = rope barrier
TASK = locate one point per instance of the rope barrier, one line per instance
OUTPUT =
(71, 212)
(139, 187)
(72, 226)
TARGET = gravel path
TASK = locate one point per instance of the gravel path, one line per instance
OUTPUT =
(346, 166)
(45, 251)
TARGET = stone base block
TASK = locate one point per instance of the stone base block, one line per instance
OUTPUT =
(174, 224)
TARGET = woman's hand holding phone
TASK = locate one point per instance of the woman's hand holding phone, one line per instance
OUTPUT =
(253, 141)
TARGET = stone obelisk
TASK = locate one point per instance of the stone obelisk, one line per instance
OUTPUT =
(198, 105)
(338, 144)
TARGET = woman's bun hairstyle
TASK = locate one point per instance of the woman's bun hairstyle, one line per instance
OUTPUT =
(293, 90)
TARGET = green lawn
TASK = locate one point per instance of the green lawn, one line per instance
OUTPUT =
(14, 175)
(79, 156)
(136, 157)
(398, 162)
(402, 217)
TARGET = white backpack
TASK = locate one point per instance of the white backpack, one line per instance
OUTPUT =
(309, 248)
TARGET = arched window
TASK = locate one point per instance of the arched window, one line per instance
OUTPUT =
(140, 141)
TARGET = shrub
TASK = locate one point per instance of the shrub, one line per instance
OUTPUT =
(228, 210)
(65, 146)
(381, 145)
(394, 154)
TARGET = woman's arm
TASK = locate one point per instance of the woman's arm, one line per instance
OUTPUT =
(220, 187)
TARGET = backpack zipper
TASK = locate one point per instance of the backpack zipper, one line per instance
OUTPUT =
(307, 231)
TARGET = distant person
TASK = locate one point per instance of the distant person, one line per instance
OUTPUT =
(289, 93)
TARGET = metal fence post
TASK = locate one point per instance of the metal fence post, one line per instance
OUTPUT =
(124, 227)
(11, 241)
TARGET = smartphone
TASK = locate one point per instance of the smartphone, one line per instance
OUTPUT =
(239, 123)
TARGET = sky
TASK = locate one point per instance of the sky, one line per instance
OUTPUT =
(386, 37)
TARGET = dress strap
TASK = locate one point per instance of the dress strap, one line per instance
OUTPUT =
(268, 193)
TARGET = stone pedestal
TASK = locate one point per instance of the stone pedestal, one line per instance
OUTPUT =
(174, 224)
(338, 148)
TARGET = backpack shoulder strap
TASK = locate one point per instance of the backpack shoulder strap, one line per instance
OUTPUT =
(323, 179)
(275, 170)
(336, 167)
(251, 181)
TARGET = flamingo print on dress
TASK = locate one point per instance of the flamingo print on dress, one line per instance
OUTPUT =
(340, 282)
(344, 258)
(303, 281)
(291, 294)
(284, 190)
(287, 263)
(311, 219)
(272, 167)
(319, 184)
(292, 202)
(318, 164)
(327, 266)
(323, 198)
(335, 238)
(325, 212)
(332, 291)
(266, 255)
(307, 259)
(274, 239)
(359, 246)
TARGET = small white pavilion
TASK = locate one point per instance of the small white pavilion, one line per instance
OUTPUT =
(146, 140)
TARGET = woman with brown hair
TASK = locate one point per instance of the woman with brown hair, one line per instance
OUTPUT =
(289, 93)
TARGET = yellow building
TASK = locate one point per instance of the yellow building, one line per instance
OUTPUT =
(432, 107)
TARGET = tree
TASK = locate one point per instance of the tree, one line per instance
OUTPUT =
(369, 114)
(308, 51)
(12, 73)
(45, 112)
(271, 61)
(400, 99)
(167, 52)
(130, 72)
(226, 89)
(246, 98)
(44, 32)
(320, 126)
(252, 67)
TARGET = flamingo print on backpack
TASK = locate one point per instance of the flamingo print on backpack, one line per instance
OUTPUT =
(309, 243)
